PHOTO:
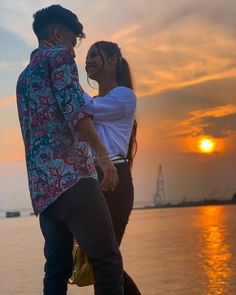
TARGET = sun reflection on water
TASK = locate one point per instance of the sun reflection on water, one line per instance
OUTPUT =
(215, 255)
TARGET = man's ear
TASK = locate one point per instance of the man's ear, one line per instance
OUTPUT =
(56, 35)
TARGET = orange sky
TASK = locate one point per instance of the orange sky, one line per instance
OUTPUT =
(184, 67)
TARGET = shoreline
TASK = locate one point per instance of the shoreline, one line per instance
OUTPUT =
(28, 212)
(189, 204)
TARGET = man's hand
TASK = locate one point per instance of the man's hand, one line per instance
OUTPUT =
(110, 177)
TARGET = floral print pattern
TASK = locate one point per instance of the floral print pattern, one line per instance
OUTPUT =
(50, 104)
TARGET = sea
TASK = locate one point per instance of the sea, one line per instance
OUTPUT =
(168, 251)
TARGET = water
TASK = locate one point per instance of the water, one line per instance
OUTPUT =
(182, 251)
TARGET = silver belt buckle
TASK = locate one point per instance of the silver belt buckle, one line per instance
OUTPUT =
(118, 159)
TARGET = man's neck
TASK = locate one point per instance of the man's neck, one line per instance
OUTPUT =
(47, 43)
(42, 44)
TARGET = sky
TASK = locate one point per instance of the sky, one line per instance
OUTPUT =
(183, 60)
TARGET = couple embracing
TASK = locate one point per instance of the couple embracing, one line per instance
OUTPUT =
(79, 151)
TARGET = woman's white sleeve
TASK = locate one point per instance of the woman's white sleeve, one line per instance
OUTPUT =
(110, 107)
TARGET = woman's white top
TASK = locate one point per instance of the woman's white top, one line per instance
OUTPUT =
(113, 117)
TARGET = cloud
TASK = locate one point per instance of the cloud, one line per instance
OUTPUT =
(178, 62)
(182, 56)
(16, 17)
(14, 53)
(126, 33)
(183, 43)
(217, 122)
(186, 49)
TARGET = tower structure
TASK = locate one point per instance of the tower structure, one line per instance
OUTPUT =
(159, 196)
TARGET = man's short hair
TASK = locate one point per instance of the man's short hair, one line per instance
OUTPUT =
(55, 15)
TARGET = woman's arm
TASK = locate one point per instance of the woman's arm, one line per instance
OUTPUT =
(113, 106)
(65, 81)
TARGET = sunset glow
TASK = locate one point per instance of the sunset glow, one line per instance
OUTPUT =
(206, 145)
(215, 250)
(184, 73)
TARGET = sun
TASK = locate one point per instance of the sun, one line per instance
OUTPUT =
(206, 145)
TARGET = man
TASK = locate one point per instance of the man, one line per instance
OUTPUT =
(61, 172)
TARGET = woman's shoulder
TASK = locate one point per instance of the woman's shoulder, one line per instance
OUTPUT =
(122, 90)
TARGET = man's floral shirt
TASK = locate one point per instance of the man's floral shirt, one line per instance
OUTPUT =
(50, 104)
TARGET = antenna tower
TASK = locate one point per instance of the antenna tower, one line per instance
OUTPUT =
(159, 197)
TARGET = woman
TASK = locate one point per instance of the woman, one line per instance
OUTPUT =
(114, 119)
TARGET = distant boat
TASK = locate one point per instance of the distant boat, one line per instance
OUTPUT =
(12, 214)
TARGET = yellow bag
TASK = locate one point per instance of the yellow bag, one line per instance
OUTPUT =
(82, 270)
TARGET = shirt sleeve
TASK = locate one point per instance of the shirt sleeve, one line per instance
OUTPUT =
(111, 107)
(66, 87)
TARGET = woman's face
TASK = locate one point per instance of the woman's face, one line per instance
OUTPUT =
(94, 63)
(98, 65)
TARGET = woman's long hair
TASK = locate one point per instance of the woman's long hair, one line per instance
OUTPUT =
(124, 78)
